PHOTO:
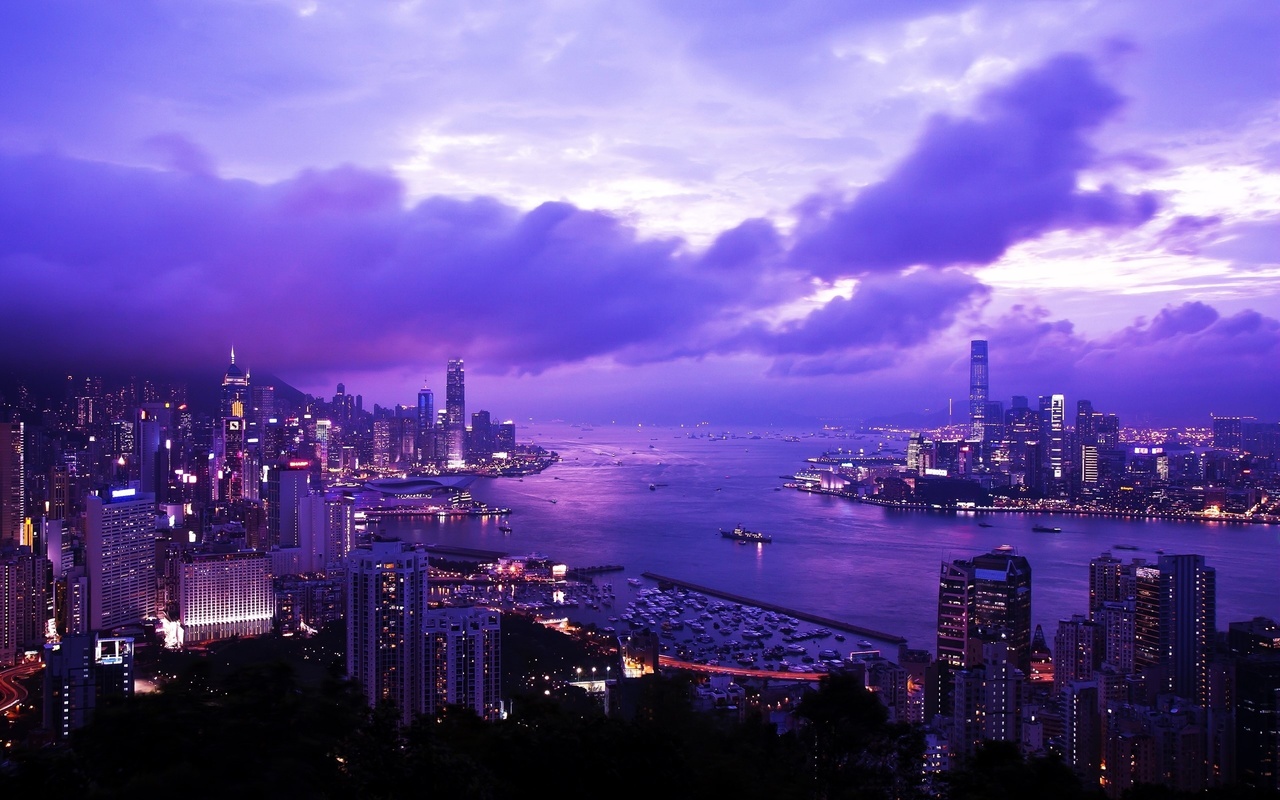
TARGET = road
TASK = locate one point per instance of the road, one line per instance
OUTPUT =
(11, 692)
(739, 672)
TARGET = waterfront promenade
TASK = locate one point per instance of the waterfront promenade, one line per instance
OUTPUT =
(890, 638)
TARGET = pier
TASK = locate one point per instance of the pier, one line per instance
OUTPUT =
(870, 633)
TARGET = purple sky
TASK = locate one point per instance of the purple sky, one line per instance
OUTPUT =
(662, 211)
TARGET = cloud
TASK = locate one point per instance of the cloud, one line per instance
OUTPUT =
(975, 186)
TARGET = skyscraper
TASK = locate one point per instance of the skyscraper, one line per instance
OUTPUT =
(120, 557)
(13, 487)
(23, 602)
(455, 416)
(426, 421)
(79, 673)
(1176, 623)
(463, 652)
(986, 598)
(287, 483)
(386, 609)
(225, 594)
(978, 388)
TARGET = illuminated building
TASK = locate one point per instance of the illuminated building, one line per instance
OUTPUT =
(288, 481)
(463, 660)
(1076, 647)
(455, 426)
(426, 427)
(307, 603)
(232, 434)
(978, 389)
(1053, 445)
(13, 486)
(154, 446)
(987, 701)
(386, 609)
(979, 599)
(120, 557)
(1176, 623)
(480, 444)
(339, 528)
(23, 602)
(79, 673)
(221, 595)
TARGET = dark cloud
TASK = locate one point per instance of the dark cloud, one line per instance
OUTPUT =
(973, 187)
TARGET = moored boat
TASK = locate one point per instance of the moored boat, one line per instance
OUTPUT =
(741, 534)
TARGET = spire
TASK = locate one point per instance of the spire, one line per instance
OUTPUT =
(233, 354)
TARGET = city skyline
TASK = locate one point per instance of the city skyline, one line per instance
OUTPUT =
(654, 212)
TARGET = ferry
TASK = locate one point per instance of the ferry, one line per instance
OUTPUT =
(741, 534)
(1045, 529)
(1126, 547)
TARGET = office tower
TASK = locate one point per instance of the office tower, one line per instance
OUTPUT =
(455, 416)
(978, 389)
(23, 602)
(505, 438)
(1176, 623)
(1089, 466)
(1255, 646)
(1075, 651)
(386, 608)
(1022, 431)
(221, 595)
(1081, 728)
(1106, 428)
(235, 391)
(1085, 433)
(1228, 432)
(288, 481)
(1053, 442)
(480, 442)
(153, 442)
(426, 426)
(915, 449)
(13, 486)
(463, 660)
(79, 673)
(120, 558)
(985, 598)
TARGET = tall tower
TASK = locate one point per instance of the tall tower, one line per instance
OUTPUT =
(120, 556)
(983, 599)
(1176, 623)
(455, 416)
(386, 608)
(231, 439)
(13, 487)
(463, 652)
(426, 423)
(978, 389)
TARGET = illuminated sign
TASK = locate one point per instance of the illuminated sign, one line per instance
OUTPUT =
(299, 464)
(117, 493)
(233, 424)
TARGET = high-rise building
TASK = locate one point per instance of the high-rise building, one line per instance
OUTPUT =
(152, 438)
(222, 595)
(987, 701)
(1176, 624)
(80, 671)
(120, 557)
(426, 426)
(287, 483)
(1053, 442)
(1111, 580)
(480, 443)
(235, 391)
(1075, 651)
(13, 486)
(978, 389)
(983, 599)
(463, 660)
(386, 609)
(23, 602)
(455, 415)
(1228, 432)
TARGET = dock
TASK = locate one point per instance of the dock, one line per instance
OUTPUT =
(485, 555)
(870, 633)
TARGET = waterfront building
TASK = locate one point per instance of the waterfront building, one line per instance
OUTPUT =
(480, 442)
(13, 486)
(386, 609)
(1053, 443)
(426, 427)
(464, 660)
(80, 671)
(455, 426)
(120, 557)
(223, 595)
(978, 389)
(986, 597)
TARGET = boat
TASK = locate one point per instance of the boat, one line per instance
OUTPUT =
(1126, 547)
(865, 643)
(505, 528)
(984, 525)
(1045, 529)
(633, 581)
(653, 487)
(741, 534)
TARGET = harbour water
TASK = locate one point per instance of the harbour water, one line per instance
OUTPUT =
(829, 556)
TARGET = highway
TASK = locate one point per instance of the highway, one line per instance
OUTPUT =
(11, 692)
(738, 672)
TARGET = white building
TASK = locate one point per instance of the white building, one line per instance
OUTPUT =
(221, 595)
(120, 556)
